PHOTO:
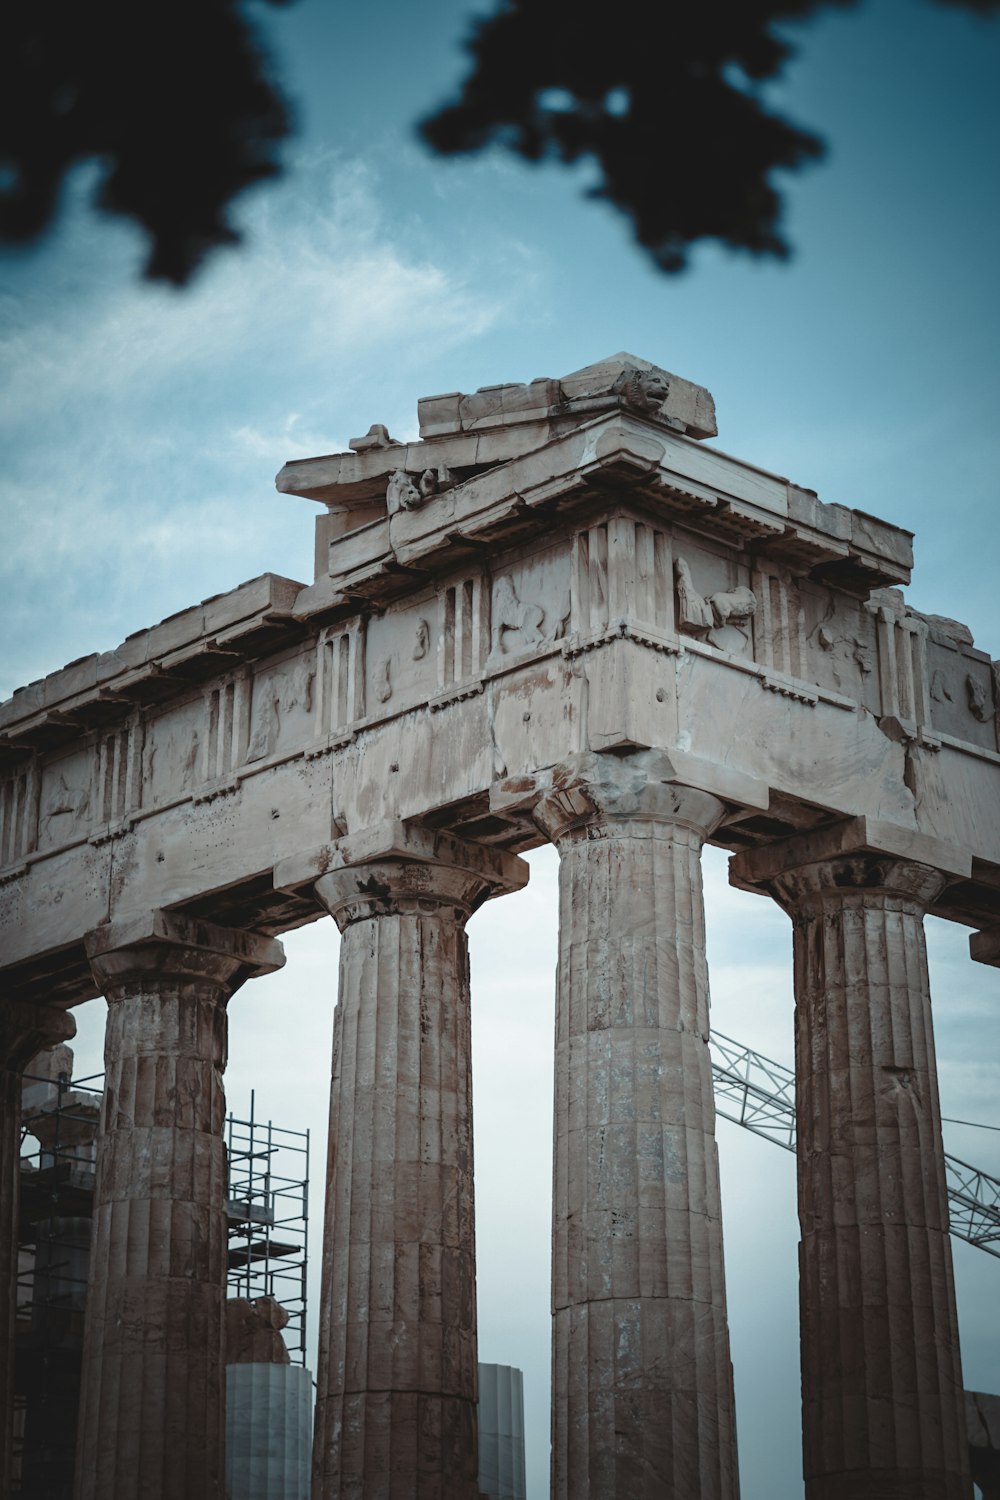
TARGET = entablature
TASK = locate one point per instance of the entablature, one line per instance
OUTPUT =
(618, 586)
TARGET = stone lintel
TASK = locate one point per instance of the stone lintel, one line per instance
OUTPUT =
(516, 794)
(754, 869)
(251, 952)
(984, 946)
(407, 842)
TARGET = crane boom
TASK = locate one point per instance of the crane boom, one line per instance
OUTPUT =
(759, 1094)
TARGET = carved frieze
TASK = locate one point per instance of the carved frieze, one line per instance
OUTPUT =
(964, 699)
(281, 708)
(65, 805)
(723, 618)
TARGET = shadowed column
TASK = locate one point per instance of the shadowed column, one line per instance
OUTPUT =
(883, 1405)
(153, 1390)
(397, 1379)
(24, 1030)
(642, 1379)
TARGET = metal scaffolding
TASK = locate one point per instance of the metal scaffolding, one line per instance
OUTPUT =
(268, 1211)
(759, 1094)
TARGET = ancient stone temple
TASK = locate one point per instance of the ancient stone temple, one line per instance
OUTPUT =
(560, 615)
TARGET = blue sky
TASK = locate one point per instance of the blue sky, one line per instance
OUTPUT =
(141, 430)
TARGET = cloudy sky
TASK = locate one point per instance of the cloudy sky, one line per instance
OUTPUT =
(141, 430)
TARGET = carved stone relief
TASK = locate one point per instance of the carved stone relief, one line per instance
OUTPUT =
(961, 690)
(839, 644)
(383, 679)
(724, 618)
(422, 640)
(517, 623)
(173, 754)
(403, 492)
(65, 804)
(281, 707)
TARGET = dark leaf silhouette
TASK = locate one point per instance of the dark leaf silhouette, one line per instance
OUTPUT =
(174, 101)
(664, 97)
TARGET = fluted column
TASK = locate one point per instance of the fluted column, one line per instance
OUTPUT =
(883, 1406)
(25, 1029)
(642, 1378)
(397, 1377)
(152, 1399)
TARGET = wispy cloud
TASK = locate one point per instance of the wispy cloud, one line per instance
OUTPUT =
(142, 428)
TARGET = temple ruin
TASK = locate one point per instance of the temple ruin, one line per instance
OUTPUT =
(560, 615)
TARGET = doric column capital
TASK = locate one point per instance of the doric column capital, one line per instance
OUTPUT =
(26, 1029)
(161, 947)
(397, 867)
(855, 861)
(862, 879)
(594, 793)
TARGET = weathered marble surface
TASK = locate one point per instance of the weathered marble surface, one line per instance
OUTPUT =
(642, 1379)
(153, 1382)
(396, 1378)
(557, 571)
(883, 1406)
(614, 584)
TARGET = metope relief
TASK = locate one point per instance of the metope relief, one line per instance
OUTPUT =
(839, 652)
(281, 711)
(521, 623)
(65, 804)
(723, 619)
(961, 689)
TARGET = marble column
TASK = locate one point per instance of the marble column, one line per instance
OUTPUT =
(882, 1398)
(397, 1376)
(152, 1404)
(642, 1378)
(25, 1029)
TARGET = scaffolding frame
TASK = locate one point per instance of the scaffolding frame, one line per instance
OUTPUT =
(268, 1210)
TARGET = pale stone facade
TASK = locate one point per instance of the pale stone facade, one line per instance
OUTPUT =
(558, 615)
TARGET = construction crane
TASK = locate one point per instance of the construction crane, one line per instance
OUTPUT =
(759, 1094)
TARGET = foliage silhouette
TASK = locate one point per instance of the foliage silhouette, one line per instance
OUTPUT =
(174, 100)
(664, 97)
(177, 106)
